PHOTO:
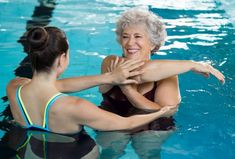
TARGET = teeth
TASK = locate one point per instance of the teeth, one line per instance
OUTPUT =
(132, 50)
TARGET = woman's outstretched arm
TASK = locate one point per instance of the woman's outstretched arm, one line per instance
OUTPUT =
(118, 75)
(156, 70)
(86, 113)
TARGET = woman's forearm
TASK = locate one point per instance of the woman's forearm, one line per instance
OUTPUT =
(140, 120)
(118, 74)
(136, 121)
(105, 88)
(139, 101)
(84, 82)
(156, 70)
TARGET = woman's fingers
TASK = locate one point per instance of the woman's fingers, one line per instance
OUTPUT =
(135, 65)
(169, 110)
(130, 81)
(108, 69)
(130, 62)
(111, 65)
(135, 73)
(116, 61)
(131, 65)
(207, 69)
(218, 75)
(215, 73)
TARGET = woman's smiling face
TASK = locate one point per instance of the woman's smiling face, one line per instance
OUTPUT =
(135, 42)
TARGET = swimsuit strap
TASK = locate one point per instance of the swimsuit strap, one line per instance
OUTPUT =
(26, 142)
(23, 145)
(27, 119)
(50, 102)
(26, 116)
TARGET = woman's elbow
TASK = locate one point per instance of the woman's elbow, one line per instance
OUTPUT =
(171, 102)
(175, 101)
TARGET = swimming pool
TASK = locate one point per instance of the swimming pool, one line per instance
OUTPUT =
(197, 30)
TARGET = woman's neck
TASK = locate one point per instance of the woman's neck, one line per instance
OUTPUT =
(44, 79)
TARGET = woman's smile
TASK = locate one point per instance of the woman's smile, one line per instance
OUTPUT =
(135, 42)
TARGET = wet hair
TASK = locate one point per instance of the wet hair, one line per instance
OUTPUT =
(154, 26)
(45, 45)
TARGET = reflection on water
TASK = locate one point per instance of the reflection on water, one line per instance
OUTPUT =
(146, 144)
(19, 143)
(168, 4)
(229, 6)
(40, 17)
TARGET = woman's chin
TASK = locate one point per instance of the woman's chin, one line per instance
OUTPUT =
(133, 56)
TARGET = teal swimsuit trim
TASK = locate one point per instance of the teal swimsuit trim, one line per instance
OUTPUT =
(48, 108)
(29, 124)
(21, 109)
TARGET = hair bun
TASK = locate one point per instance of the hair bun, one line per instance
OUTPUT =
(37, 38)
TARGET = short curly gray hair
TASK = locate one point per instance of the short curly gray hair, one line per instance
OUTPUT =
(155, 27)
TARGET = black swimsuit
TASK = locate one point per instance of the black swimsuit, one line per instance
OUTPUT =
(123, 107)
(47, 145)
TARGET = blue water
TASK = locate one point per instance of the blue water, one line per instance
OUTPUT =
(197, 30)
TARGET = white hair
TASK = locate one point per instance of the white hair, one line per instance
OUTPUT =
(155, 27)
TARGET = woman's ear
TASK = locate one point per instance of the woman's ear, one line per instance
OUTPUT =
(154, 48)
(63, 58)
(62, 63)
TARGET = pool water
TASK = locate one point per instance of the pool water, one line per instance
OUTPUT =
(197, 30)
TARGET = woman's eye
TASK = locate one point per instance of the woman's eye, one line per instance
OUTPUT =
(138, 36)
(124, 37)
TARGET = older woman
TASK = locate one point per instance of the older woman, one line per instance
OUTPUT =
(141, 33)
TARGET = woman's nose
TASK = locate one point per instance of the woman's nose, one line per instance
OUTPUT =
(131, 41)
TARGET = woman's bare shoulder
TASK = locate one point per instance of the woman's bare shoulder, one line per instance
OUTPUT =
(108, 59)
(14, 83)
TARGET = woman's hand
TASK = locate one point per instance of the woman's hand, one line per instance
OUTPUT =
(168, 111)
(121, 70)
(206, 69)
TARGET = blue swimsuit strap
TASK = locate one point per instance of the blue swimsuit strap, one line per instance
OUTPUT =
(22, 108)
(50, 102)
(29, 123)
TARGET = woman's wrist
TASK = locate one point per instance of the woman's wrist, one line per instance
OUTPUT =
(126, 89)
(108, 78)
(192, 65)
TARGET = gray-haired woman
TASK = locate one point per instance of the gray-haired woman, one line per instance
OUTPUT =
(141, 33)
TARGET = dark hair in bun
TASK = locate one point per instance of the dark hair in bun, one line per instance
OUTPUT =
(45, 45)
